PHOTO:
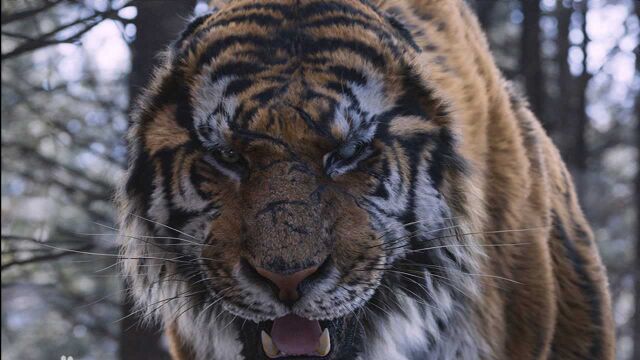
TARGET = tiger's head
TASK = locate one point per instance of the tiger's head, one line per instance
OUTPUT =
(293, 185)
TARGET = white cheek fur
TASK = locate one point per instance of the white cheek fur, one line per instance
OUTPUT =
(222, 169)
(208, 101)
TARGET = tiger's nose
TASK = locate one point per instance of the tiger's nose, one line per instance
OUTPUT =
(287, 283)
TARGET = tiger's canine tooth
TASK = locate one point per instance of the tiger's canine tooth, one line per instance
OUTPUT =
(325, 344)
(268, 346)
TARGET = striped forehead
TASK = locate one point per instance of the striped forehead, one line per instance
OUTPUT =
(347, 114)
(330, 58)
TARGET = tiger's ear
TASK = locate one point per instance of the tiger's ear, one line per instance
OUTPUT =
(218, 4)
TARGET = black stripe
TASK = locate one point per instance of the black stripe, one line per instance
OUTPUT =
(275, 78)
(367, 52)
(180, 170)
(184, 111)
(340, 88)
(177, 217)
(219, 45)
(245, 115)
(320, 8)
(324, 7)
(342, 20)
(166, 94)
(349, 74)
(285, 10)
(237, 86)
(139, 185)
(197, 179)
(586, 284)
(238, 68)
(381, 190)
(264, 56)
(349, 21)
(318, 127)
(445, 158)
(249, 136)
(311, 94)
(403, 32)
(415, 96)
(258, 19)
(265, 95)
(190, 29)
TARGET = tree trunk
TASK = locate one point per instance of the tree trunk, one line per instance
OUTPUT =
(483, 10)
(561, 129)
(530, 57)
(569, 130)
(157, 23)
(636, 316)
(578, 155)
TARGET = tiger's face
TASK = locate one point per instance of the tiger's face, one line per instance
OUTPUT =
(290, 181)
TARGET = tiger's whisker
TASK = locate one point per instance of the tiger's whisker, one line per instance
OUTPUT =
(414, 223)
(414, 233)
(465, 234)
(164, 225)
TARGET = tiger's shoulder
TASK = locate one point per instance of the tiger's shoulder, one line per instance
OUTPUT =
(562, 308)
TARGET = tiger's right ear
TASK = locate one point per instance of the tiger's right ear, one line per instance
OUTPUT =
(218, 4)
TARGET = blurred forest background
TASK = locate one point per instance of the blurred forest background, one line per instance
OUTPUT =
(70, 68)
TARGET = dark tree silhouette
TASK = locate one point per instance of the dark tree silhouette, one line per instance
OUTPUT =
(636, 318)
(530, 57)
(562, 104)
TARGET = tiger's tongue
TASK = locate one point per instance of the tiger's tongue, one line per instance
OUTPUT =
(295, 335)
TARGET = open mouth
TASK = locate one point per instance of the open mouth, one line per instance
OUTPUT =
(292, 335)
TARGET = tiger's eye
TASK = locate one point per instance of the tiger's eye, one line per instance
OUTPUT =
(350, 150)
(229, 156)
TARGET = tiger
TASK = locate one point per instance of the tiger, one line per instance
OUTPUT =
(352, 179)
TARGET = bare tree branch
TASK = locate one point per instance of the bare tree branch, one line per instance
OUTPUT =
(48, 39)
(54, 164)
(44, 258)
(25, 14)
